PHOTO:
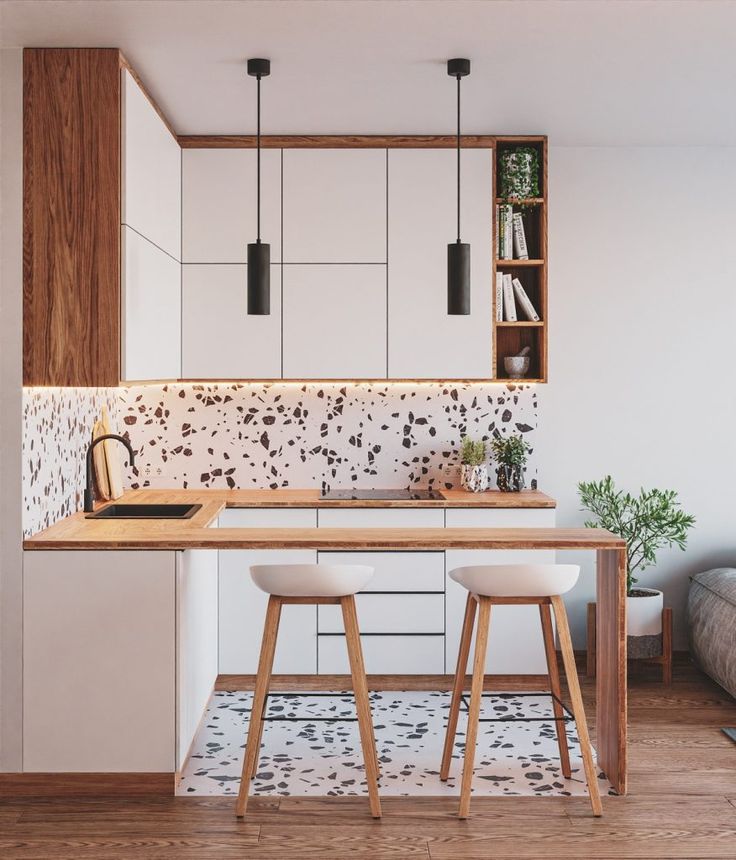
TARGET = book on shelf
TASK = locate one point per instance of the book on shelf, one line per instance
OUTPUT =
(509, 305)
(499, 296)
(520, 249)
(523, 301)
(504, 232)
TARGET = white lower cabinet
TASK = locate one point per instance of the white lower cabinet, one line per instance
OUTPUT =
(515, 645)
(385, 655)
(243, 605)
(99, 638)
(196, 642)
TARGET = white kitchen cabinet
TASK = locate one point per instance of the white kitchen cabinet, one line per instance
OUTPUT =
(385, 655)
(389, 613)
(151, 180)
(151, 311)
(424, 342)
(334, 322)
(515, 645)
(334, 206)
(243, 604)
(219, 339)
(379, 518)
(99, 635)
(395, 571)
(219, 204)
(197, 642)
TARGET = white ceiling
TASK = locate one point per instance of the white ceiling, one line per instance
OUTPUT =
(651, 72)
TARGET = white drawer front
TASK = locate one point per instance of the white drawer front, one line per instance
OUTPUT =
(389, 613)
(269, 518)
(385, 655)
(469, 518)
(396, 571)
(369, 518)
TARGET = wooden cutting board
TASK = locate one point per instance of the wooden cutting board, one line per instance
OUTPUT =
(102, 482)
(112, 457)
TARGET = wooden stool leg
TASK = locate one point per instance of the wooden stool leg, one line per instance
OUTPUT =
(255, 727)
(554, 685)
(573, 685)
(667, 646)
(476, 693)
(457, 688)
(362, 701)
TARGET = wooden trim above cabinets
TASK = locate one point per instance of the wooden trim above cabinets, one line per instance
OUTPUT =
(71, 216)
(335, 141)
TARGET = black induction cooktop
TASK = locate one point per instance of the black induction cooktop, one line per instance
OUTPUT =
(387, 495)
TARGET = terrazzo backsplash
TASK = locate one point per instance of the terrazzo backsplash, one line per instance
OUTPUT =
(265, 435)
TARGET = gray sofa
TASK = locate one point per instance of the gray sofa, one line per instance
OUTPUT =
(711, 613)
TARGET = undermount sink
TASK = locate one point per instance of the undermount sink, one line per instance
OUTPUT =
(145, 512)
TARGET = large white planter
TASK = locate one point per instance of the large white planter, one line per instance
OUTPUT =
(644, 623)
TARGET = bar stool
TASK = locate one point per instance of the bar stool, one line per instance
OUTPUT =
(517, 584)
(316, 584)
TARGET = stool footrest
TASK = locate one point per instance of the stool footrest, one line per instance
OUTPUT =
(283, 719)
(552, 719)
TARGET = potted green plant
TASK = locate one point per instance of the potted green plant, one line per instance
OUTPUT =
(647, 522)
(474, 470)
(519, 173)
(510, 452)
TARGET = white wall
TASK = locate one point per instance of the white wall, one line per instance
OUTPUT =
(11, 579)
(642, 311)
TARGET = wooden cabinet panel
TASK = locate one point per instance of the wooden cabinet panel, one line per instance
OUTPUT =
(151, 180)
(219, 339)
(334, 322)
(423, 341)
(243, 604)
(71, 216)
(335, 205)
(151, 288)
(99, 661)
(219, 204)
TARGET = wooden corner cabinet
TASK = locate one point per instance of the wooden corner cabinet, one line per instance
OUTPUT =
(134, 245)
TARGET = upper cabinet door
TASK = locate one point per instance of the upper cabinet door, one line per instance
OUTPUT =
(424, 342)
(334, 206)
(151, 182)
(219, 204)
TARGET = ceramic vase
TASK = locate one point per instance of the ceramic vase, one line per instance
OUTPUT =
(510, 478)
(644, 622)
(474, 478)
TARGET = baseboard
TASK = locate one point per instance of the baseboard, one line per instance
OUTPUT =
(86, 784)
(303, 683)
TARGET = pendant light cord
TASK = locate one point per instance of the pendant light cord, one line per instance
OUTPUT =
(458, 158)
(258, 158)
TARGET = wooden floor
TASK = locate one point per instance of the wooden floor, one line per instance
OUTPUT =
(682, 804)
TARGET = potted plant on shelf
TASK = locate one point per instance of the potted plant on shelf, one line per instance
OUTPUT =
(511, 454)
(647, 522)
(474, 470)
(519, 174)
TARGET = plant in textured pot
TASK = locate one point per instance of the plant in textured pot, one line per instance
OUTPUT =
(474, 470)
(510, 452)
(647, 522)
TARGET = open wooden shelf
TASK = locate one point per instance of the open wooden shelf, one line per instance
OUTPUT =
(509, 338)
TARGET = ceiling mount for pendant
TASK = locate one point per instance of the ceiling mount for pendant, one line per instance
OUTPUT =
(259, 253)
(458, 252)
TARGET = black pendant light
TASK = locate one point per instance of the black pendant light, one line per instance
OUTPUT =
(458, 253)
(259, 253)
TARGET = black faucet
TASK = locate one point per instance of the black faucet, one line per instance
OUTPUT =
(88, 494)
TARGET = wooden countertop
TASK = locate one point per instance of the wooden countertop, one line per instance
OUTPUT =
(77, 532)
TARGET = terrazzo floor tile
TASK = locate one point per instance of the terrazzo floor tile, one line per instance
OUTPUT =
(317, 758)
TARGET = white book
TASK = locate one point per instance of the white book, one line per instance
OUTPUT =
(509, 305)
(524, 301)
(499, 296)
(507, 213)
(520, 248)
(498, 231)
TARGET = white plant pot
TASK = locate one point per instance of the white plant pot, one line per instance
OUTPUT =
(474, 478)
(644, 623)
(644, 614)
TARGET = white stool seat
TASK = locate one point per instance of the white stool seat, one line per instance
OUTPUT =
(517, 580)
(311, 580)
